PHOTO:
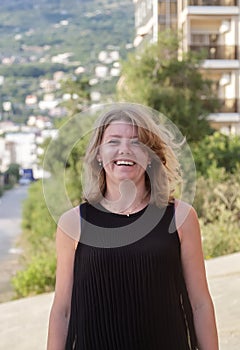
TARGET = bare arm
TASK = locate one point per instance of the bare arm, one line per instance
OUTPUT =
(195, 277)
(68, 228)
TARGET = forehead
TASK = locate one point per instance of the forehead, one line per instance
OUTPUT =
(121, 128)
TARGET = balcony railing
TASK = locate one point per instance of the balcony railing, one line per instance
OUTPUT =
(216, 52)
(212, 2)
(228, 105)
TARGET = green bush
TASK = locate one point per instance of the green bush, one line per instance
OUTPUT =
(39, 261)
(37, 222)
(217, 202)
(37, 277)
(217, 149)
(220, 237)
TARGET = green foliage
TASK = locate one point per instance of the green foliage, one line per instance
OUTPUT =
(37, 277)
(74, 172)
(218, 205)
(37, 222)
(13, 169)
(71, 134)
(176, 88)
(79, 91)
(219, 149)
(1, 184)
(33, 70)
(38, 261)
(64, 158)
(220, 237)
(11, 176)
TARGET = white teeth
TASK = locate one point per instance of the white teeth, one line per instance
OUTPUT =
(124, 162)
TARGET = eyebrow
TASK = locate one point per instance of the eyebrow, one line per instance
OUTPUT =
(120, 136)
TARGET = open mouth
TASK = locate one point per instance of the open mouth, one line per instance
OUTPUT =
(124, 163)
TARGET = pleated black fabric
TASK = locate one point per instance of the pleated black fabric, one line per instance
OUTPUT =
(131, 297)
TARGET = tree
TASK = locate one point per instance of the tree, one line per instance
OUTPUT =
(11, 175)
(79, 93)
(218, 150)
(158, 78)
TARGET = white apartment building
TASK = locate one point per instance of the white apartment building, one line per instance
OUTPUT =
(209, 25)
(151, 16)
(23, 148)
(214, 25)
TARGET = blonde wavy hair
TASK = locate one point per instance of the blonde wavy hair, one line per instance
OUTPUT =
(164, 175)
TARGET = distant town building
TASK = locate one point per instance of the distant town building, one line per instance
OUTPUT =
(4, 156)
(22, 147)
(64, 22)
(59, 75)
(7, 106)
(79, 70)
(48, 102)
(115, 72)
(57, 112)
(102, 56)
(31, 100)
(62, 58)
(8, 60)
(95, 96)
(93, 81)
(40, 122)
(8, 126)
(108, 56)
(49, 85)
(114, 55)
(101, 71)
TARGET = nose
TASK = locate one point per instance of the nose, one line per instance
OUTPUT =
(125, 147)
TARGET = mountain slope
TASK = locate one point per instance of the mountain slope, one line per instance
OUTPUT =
(81, 27)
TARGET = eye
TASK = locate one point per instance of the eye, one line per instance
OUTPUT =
(135, 142)
(113, 141)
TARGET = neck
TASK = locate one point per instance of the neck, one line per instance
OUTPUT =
(127, 198)
(125, 191)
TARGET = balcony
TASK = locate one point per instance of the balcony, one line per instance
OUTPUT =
(216, 52)
(212, 2)
(228, 105)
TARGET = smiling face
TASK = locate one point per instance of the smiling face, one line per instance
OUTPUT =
(122, 155)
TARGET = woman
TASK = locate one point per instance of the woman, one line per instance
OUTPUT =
(130, 269)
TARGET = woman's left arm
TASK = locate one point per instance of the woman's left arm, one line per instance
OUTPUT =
(195, 276)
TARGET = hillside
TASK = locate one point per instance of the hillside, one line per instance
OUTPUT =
(81, 27)
(34, 34)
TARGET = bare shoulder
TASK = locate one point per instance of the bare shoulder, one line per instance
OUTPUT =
(69, 223)
(186, 217)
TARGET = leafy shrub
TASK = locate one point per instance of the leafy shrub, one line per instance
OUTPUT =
(220, 237)
(36, 217)
(37, 277)
(217, 149)
(218, 205)
(38, 261)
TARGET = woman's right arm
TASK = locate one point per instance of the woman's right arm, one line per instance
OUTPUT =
(67, 235)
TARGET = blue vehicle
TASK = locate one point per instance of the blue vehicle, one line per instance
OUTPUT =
(26, 176)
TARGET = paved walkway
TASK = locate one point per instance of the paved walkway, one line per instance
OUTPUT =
(224, 282)
(23, 323)
(10, 231)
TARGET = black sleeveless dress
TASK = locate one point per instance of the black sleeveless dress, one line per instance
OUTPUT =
(129, 295)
